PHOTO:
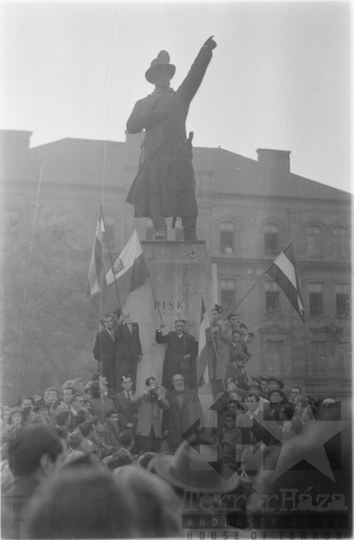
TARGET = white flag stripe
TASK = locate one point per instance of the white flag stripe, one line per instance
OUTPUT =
(130, 252)
(286, 267)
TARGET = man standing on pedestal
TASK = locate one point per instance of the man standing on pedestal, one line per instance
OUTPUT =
(165, 183)
(104, 350)
(180, 355)
(128, 350)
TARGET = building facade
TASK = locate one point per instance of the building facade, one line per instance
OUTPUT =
(249, 211)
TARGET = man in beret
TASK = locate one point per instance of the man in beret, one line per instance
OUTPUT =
(180, 355)
(165, 183)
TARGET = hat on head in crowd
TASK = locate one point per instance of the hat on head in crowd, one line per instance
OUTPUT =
(253, 383)
(279, 381)
(217, 308)
(279, 392)
(161, 62)
(188, 469)
(40, 404)
(241, 356)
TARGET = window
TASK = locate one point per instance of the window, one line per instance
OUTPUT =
(178, 234)
(315, 298)
(11, 221)
(227, 231)
(342, 299)
(108, 236)
(270, 239)
(340, 243)
(318, 364)
(274, 356)
(272, 297)
(344, 359)
(314, 242)
(228, 293)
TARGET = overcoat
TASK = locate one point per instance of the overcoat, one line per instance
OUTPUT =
(177, 348)
(104, 352)
(177, 420)
(166, 153)
(128, 350)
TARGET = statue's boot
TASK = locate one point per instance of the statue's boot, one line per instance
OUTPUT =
(157, 218)
(189, 225)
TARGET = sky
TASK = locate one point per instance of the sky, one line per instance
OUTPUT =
(279, 78)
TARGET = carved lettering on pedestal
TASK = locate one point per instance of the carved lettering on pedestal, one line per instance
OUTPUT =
(169, 304)
(183, 253)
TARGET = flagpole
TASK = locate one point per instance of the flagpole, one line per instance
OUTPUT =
(216, 353)
(259, 279)
(110, 256)
(153, 292)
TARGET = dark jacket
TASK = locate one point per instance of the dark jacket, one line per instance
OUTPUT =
(127, 411)
(128, 350)
(103, 351)
(166, 152)
(177, 348)
(178, 420)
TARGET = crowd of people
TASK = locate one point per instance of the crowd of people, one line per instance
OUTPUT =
(112, 435)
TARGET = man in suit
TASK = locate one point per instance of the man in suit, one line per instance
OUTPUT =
(184, 411)
(150, 401)
(126, 407)
(128, 350)
(104, 349)
(180, 355)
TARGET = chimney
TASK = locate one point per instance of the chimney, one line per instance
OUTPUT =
(279, 159)
(14, 142)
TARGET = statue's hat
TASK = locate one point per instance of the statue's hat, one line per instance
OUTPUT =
(161, 62)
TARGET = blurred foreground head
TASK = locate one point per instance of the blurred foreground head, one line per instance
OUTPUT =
(87, 502)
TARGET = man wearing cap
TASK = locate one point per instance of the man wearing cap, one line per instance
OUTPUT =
(274, 383)
(180, 355)
(165, 183)
(255, 390)
(237, 370)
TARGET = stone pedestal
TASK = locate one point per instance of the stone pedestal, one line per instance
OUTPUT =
(181, 274)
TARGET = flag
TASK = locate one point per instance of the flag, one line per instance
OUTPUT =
(128, 273)
(204, 348)
(96, 276)
(283, 271)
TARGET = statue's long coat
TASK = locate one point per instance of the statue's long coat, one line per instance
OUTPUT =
(166, 152)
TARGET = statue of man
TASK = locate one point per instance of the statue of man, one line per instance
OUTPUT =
(165, 183)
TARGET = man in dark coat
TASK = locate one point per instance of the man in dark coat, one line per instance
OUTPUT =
(184, 411)
(165, 183)
(104, 350)
(128, 350)
(180, 355)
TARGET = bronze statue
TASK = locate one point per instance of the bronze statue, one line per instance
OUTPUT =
(165, 182)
